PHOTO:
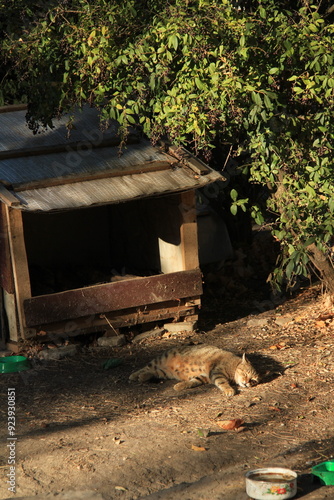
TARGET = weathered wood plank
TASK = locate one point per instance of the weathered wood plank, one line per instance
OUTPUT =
(126, 317)
(185, 156)
(66, 147)
(6, 274)
(13, 107)
(108, 297)
(189, 239)
(19, 261)
(9, 303)
(8, 197)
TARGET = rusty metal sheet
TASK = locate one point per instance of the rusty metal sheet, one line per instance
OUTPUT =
(108, 297)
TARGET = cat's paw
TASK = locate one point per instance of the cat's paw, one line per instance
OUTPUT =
(140, 376)
(229, 391)
(144, 377)
(133, 377)
(180, 386)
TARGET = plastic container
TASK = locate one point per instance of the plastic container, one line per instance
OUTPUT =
(325, 472)
(12, 364)
(271, 482)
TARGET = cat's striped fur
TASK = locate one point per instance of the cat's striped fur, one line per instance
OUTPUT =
(200, 364)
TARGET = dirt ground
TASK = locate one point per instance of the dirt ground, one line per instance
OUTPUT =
(82, 427)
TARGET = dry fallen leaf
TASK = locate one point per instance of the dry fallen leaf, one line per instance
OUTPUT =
(294, 386)
(198, 448)
(279, 346)
(275, 408)
(120, 488)
(230, 425)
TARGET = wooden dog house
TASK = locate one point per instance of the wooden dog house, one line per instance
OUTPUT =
(92, 235)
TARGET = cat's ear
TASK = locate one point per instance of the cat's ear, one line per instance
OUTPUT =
(244, 359)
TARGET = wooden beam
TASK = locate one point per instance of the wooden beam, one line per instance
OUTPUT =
(3, 329)
(8, 197)
(127, 317)
(115, 296)
(188, 159)
(66, 147)
(189, 239)
(6, 272)
(9, 304)
(13, 107)
(19, 262)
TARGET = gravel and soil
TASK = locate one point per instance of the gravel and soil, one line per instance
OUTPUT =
(81, 427)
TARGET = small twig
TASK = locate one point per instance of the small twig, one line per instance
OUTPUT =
(227, 158)
(322, 455)
(289, 437)
(111, 326)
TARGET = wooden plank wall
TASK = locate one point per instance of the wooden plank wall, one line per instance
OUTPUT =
(116, 296)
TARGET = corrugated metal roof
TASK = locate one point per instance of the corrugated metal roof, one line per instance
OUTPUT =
(85, 170)
(15, 133)
(114, 190)
(82, 161)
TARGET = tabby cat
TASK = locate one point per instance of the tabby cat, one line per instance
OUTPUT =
(197, 365)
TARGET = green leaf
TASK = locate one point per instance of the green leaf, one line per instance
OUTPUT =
(263, 12)
(199, 84)
(290, 268)
(173, 41)
(131, 119)
(267, 102)
(234, 194)
(256, 98)
(234, 209)
(152, 81)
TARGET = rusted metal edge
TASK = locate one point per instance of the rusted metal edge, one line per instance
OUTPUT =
(109, 297)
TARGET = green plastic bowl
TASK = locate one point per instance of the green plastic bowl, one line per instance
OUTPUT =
(325, 472)
(12, 364)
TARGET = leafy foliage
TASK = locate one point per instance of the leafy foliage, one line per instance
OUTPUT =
(259, 80)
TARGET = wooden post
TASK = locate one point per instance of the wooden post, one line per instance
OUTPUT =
(9, 305)
(189, 241)
(181, 255)
(20, 266)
